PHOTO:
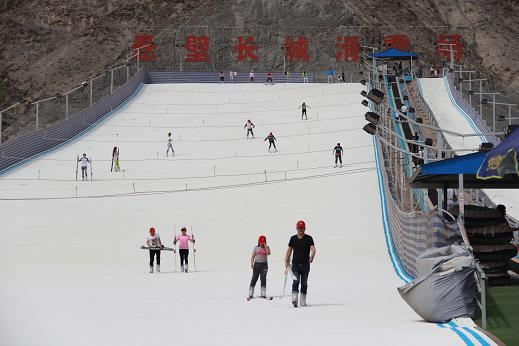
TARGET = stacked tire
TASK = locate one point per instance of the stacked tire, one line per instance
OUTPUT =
(490, 236)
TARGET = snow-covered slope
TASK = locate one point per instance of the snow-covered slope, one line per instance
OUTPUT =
(72, 272)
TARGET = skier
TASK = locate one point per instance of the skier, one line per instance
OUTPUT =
(170, 145)
(259, 265)
(84, 165)
(251, 76)
(338, 153)
(271, 140)
(222, 77)
(183, 248)
(305, 77)
(269, 78)
(231, 76)
(304, 252)
(115, 159)
(303, 110)
(153, 241)
(249, 125)
(329, 73)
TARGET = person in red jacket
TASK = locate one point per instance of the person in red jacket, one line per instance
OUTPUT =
(269, 78)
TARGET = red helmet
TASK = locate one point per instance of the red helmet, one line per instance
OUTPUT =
(262, 240)
(152, 230)
(301, 224)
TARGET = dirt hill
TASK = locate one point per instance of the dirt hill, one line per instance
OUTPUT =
(49, 46)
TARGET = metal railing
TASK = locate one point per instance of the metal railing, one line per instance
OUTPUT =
(410, 234)
(28, 146)
(33, 115)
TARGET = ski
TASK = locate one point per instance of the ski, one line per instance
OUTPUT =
(194, 248)
(157, 248)
(91, 174)
(77, 165)
(175, 249)
(258, 297)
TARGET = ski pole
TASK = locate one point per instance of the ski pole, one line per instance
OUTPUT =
(286, 276)
(91, 174)
(194, 249)
(175, 246)
(284, 285)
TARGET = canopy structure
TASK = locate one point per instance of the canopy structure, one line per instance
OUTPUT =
(394, 54)
(445, 174)
(502, 160)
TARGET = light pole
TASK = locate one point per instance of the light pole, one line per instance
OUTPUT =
(470, 89)
(451, 53)
(180, 46)
(138, 54)
(493, 108)
(283, 48)
(510, 105)
(374, 66)
(461, 78)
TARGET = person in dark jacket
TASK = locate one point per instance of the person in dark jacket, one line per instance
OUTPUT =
(271, 140)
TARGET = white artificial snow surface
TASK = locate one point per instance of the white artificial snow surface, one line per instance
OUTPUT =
(449, 117)
(72, 272)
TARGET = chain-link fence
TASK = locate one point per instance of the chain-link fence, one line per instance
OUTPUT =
(33, 115)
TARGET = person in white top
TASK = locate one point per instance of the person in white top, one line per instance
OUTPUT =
(231, 76)
(249, 125)
(251, 76)
(305, 77)
(154, 243)
(84, 165)
(170, 146)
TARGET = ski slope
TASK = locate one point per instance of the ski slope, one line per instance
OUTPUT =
(451, 117)
(72, 271)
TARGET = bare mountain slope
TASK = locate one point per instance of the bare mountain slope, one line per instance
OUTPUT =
(49, 46)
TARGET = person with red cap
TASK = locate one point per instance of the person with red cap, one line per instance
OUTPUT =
(302, 245)
(154, 243)
(259, 265)
(271, 140)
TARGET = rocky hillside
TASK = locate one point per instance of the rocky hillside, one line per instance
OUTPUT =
(49, 46)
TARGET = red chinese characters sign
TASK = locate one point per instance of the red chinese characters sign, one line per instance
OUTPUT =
(197, 48)
(347, 47)
(246, 49)
(397, 41)
(145, 46)
(446, 43)
(296, 49)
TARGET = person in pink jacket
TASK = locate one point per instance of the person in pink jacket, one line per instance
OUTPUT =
(183, 248)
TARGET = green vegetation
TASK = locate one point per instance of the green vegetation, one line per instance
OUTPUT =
(503, 313)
